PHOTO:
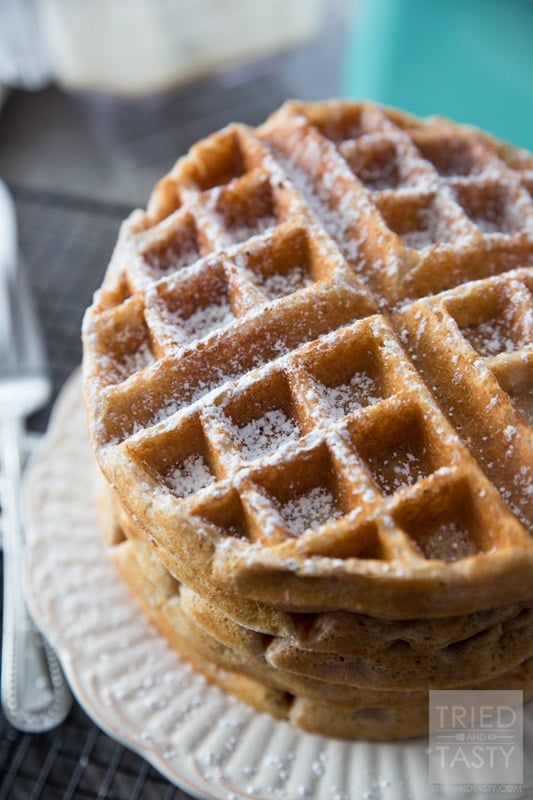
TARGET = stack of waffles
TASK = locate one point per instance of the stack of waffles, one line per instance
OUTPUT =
(308, 376)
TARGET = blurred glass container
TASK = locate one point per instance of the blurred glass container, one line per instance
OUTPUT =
(134, 48)
(472, 61)
(23, 57)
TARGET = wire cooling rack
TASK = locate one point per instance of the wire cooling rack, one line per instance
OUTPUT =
(66, 244)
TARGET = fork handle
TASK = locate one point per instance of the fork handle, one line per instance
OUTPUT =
(35, 696)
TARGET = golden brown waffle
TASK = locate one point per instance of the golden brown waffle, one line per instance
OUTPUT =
(326, 708)
(248, 388)
(474, 347)
(396, 667)
(377, 656)
(340, 632)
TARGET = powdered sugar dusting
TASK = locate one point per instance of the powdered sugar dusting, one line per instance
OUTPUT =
(431, 230)
(264, 435)
(417, 239)
(280, 284)
(346, 398)
(310, 510)
(172, 258)
(487, 225)
(190, 476)
(449, 542)
(133, 361)
(491, 213)
(399, 469)
(379, 174)
(338, 221)
(451, 158)
(490, 337)
(204, 320)
(245, 230)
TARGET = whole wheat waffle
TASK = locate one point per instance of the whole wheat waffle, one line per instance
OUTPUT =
(308, 377)
(336, 632)
(316, 706)
(251, 364)
(396, 667)
(366, 661)
(474, 346)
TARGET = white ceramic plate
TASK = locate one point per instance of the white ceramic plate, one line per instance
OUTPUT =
(138, 690)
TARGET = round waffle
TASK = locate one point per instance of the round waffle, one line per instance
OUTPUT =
(308, 378)
(251, 363)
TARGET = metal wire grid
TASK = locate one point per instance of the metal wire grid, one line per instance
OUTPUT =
(75, 762)
(66, 244)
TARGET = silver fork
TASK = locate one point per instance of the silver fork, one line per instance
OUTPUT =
(34, 693)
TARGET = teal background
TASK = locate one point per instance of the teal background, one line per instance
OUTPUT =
(471, 60)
